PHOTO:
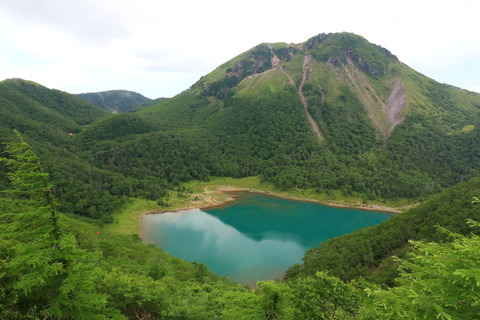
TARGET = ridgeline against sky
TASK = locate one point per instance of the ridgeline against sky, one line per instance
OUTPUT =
(159, 49)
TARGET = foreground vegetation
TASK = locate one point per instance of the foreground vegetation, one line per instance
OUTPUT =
(57, 267)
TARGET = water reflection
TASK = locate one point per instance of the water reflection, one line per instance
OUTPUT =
(307, 223)
(255, 238)
(195, 235)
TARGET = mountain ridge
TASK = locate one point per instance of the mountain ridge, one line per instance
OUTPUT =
(118, 101)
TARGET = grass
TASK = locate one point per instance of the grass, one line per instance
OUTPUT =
(468, 128)
(127, 220)
(248, 182)
(274, 80)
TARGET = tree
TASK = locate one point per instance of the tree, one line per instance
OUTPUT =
(44, 274)
(439, 281)
(30, 183)
(272, 299)
(324, 297)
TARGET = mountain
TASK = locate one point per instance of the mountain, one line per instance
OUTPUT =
(32, 108)
(117, 101)
(333, 113)
(50, 120)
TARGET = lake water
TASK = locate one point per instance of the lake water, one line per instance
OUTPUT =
(257, 237)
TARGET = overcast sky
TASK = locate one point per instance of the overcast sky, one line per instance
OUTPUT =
(160, 48)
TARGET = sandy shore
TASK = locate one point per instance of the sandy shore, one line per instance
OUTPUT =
(210, 199)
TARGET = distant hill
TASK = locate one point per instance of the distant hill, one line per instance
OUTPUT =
(118, 101)
(39, 112)
(141, 106)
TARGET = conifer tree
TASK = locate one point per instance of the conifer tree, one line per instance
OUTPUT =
(43, 272)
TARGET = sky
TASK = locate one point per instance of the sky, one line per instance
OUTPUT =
(160, 48)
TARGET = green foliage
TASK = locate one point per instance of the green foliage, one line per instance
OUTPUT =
(257, 60)
(28, 178)
(438, 281)
(435, 133)
(45, 117)
(273, 297)
(50, 106)
(336, 48)
(118, 126)
(161, 159)
(221, 89)
(324, 297)
(347, 126)
(284, 52)
(44, 273)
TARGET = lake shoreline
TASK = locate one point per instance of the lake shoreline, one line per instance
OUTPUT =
(209, 201)
(302, 199)
(283, 204)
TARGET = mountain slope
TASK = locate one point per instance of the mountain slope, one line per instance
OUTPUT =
(29, 107)
(335, 112)
(116, 101)
(50, 120)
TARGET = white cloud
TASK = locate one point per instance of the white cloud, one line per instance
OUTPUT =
(88, 20)
(160, 48)
(474, 88)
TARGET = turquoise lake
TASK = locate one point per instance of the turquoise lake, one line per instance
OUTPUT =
(256, 237)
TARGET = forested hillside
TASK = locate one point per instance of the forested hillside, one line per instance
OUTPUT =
(334, 113)
(56, 267)
(42, 113)
(117, 101)
(367, 252)
(50, 120)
